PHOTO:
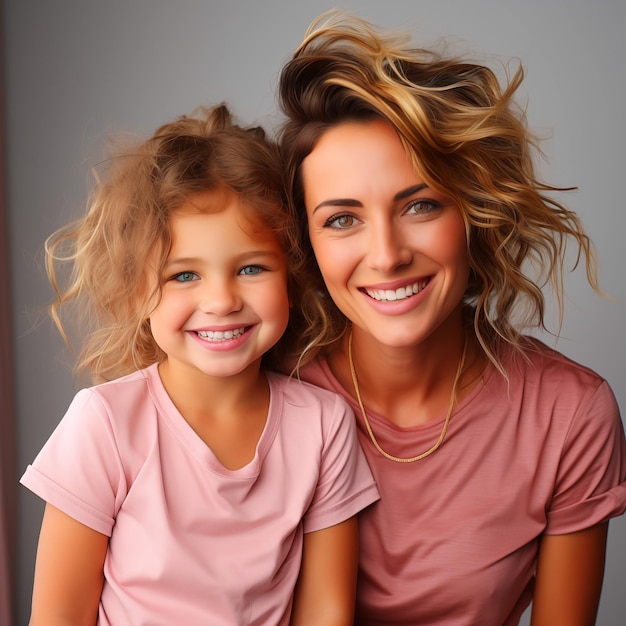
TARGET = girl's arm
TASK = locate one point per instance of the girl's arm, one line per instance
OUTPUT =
(326, 588)
(68, 572)
(570, 570)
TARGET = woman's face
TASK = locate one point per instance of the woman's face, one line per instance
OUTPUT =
(391, 250)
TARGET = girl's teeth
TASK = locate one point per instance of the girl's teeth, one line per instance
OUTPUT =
(398, 294)
(219, 335)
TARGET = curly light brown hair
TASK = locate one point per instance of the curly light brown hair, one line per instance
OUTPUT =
(105, 267)
(469, 140)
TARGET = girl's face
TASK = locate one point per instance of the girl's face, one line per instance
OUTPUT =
(391, 250)
(224, 298)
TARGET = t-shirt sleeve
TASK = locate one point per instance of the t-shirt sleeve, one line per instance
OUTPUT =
(345, 484)
(78, 470)
(590, 486)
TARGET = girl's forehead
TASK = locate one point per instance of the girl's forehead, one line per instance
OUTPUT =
(221, 201)
(209, 201)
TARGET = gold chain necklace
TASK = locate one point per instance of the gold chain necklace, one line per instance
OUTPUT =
(442, 436)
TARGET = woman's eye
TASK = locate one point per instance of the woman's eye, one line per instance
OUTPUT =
(184, 277)
(421, 207)
(251, 270)
(340, 221)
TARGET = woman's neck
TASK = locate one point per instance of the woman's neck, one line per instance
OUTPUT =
(409, 385)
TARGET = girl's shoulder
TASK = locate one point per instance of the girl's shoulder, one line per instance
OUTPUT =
(136, 378)
(304, 388)
(124, 406)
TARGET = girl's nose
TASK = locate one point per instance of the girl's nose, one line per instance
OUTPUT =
(220, 297)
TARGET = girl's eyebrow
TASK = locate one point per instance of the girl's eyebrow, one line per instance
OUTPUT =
(405, 193)
(242, 258)
(182, 260)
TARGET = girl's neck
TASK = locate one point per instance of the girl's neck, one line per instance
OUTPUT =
(228, 413)
(203, 396)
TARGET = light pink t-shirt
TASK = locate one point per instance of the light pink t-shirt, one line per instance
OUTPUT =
(191, 542)
(453, 539)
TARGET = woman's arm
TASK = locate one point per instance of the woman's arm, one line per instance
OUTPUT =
(570, 570)
(326, 588)
(68, 572)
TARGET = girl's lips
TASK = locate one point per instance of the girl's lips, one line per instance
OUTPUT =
(400, 293)
(222, 335)
(222, 340)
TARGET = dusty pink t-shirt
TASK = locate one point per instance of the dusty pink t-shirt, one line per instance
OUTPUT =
(191, 542)
(453, 539)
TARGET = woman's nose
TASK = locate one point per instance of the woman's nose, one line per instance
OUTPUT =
(388, 249)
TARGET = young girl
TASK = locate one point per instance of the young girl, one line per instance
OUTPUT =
(191, 486)
(499, 461)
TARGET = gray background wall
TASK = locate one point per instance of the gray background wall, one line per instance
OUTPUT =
(78, 70)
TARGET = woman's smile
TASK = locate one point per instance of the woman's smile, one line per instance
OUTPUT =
(392, 294)
(392, 251)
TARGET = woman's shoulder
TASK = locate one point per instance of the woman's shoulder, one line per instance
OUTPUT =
(535, 360)
(318, 372)
(544, 376)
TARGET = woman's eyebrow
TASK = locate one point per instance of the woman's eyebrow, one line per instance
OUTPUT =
(338, 202)
(409, 191)
(405, 193)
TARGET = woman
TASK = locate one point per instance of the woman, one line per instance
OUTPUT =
(499, 461)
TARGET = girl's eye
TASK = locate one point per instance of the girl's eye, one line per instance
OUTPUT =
(421, 207)
(250, 270)
(185, 277)
(340, 221)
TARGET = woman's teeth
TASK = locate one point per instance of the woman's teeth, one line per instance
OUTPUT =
(401, 293)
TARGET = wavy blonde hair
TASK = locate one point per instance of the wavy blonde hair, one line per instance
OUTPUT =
(469, 141)
(105, 267)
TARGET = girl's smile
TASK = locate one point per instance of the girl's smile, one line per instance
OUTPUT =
(221, 340)
(224, 299)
